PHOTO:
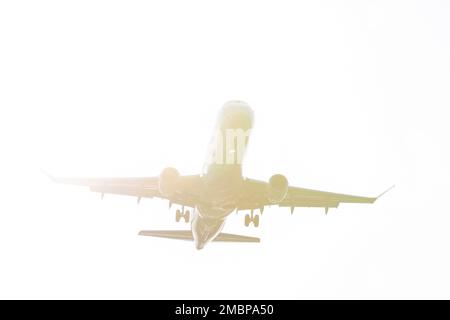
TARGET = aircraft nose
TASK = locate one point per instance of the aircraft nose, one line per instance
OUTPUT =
(237, 105)
(236, 114)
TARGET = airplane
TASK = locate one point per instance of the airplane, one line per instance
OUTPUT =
(220, 189)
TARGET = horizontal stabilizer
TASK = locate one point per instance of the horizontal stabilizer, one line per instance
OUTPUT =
(171, 234)
(187, 235)
(228, 237)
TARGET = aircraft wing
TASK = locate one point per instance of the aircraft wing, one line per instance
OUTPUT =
(186, 193)
(301, 197)
(298, 197)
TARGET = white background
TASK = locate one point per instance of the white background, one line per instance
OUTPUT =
(349, 96)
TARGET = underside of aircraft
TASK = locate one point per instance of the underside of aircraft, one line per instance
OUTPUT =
(206, 199)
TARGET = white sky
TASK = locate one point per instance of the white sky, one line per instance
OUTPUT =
(348, 97)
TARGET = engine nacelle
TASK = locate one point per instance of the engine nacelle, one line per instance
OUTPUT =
(168, 180)
(277, 188)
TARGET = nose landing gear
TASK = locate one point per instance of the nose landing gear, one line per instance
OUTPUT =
(249, 218)
(182, 214)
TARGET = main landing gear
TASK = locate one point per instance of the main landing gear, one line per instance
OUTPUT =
(249, 218)
(182, 214)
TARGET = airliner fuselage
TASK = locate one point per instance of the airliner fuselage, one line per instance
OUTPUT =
(222, 173)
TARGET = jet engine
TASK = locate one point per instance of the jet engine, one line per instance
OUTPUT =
(168, 180)
(277, 188)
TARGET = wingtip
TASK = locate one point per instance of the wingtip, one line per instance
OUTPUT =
(51, 177)
(387, 190)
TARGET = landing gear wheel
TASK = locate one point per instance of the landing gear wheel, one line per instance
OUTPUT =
(247, 220)
(187, 216)
(256, 221)
(177, 216)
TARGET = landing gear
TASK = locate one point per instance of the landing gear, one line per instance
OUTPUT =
(256, 220)
(249, 218)
(182, 214)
